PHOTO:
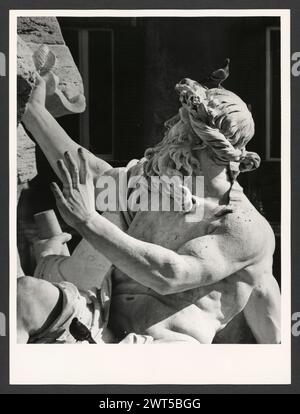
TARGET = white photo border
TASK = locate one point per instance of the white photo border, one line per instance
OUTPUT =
(160, 364)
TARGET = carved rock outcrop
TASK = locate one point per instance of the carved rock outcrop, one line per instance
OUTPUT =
(66, 95)
(25, 76)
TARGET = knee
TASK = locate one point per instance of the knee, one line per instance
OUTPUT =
(25, 297)
(31, 289)
(27, 289)
(35, 300)
(24, 283)
(24, 290)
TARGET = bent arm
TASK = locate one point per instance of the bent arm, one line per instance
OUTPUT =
(202, 261)
(262, 312)
(199, 263)
(54, 141)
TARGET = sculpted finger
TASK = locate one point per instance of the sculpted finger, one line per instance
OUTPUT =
(83, 166)
(73, 168)
(59, 197)
(63, 237)
(65, 175)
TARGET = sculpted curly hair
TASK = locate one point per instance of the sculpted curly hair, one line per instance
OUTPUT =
(216, 119)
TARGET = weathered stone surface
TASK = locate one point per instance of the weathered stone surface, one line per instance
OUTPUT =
(65, 68)
(67, 88)
(40, 30)
(26, 162)
(25, 73)
(33, 32)
(68, 98)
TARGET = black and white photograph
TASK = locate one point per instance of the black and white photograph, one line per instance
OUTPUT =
(149, 197)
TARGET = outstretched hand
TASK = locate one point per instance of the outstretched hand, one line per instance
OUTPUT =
(76, 202)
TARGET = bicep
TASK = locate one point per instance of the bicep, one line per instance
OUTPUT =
(262, 311)
(211, 258)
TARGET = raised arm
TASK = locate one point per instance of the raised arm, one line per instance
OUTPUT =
(262, 311)
(51, 137)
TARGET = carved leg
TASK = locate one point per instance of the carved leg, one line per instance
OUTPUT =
(38, 305)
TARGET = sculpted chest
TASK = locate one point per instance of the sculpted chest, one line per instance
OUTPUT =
(168, 229)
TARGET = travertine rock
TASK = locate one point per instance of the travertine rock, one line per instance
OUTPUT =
(67, 96)
(65, 67)
(26, 162)
(40, 30)
(25, 72)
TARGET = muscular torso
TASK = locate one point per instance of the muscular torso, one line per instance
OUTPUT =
(193, 315)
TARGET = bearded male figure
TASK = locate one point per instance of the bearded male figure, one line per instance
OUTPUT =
(173, 279)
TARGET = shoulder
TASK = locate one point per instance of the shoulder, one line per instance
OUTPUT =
(248, 230)
(133, 168)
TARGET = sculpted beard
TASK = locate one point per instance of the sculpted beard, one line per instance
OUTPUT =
(175, 155)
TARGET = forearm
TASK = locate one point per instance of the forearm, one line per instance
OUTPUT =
(263, 312)
(41, 254)
(149, 264)
(266, 329)
(54, 141)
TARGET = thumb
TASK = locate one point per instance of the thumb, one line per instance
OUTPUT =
(38, 79)
(63, 237)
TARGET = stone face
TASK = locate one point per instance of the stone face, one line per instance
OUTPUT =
(40, 30)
